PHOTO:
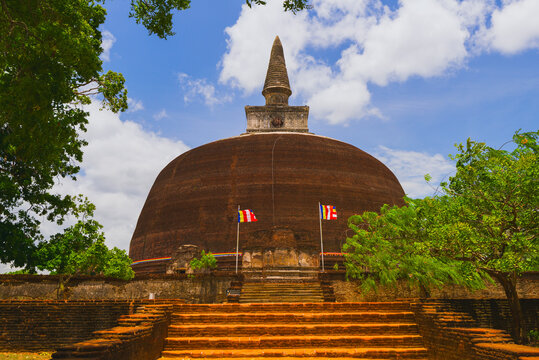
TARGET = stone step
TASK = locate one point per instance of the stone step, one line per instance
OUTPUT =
(281, 291)
(292, 317)
(275, 285)
(277, 300)
(279, 284)
(303, 358)
(262, 300)
(282, 270)
(277, 278)
(292, 329)
(285, 297)
(301, 330)
(314, 287)
(280, 276)
(268, 292)
(418, 353)
(298, 293)
(302, 307)
(314, 341)
(280, 280)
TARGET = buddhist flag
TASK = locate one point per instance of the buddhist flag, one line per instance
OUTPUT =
(328, 212)
(246, 216)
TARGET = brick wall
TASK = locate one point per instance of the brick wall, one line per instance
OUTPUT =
(138, 336)
(495, 313)
(48, 325)
(488, 306)
(451, 335)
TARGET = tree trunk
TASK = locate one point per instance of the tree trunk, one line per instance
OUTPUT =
(62, 283)
(61, 288)
(424, 292)
(509, 283)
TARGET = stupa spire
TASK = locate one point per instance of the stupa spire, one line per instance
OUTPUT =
(277, 115)
(276, 87)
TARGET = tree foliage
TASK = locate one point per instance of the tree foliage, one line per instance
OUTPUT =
(156, 15)
(391, 245)
(49, 63)
(288, 5)
(483, 225)
(81, 250)
(206, 262)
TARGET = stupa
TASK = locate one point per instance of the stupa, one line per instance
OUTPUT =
(280, 171)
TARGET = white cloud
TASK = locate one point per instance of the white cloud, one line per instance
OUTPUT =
(195, 88)
(120, 164)
(106, 43)
(119, 167)
(160, 115)
(5, 268)
(424, 38)
(515, 27)
(418, 38)
(341, 100)
(410, 167)
(134, 105)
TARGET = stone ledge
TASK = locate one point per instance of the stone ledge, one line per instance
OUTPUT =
(513, 349)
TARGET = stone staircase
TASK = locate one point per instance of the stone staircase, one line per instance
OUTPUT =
(294, 331)
(447, 316)
(279, 274)
(278, 292)
(276, 285)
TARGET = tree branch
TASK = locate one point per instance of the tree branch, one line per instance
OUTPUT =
(13, 22)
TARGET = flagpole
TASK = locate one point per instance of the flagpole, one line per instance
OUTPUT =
(238, 240)
(321, 241)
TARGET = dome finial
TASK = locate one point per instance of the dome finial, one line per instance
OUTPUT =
(276, 87)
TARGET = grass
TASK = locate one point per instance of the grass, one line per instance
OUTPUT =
(25, 356)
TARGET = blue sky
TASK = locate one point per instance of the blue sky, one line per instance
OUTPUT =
(403, 80)
(484, 93)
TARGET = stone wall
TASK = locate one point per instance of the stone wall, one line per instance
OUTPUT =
(277, 118)
(198, 289)
(349, 291)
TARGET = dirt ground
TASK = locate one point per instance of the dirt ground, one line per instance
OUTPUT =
(25, 356)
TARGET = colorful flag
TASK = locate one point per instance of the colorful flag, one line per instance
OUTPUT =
(246, 216)
(328, 212)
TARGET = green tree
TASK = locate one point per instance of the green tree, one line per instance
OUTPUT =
(49, 63)
(81, 250)
(206, 262)
(390, 246)
(483, 226)
(156, 15)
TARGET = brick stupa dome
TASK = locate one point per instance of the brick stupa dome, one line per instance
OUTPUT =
(277, 169)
